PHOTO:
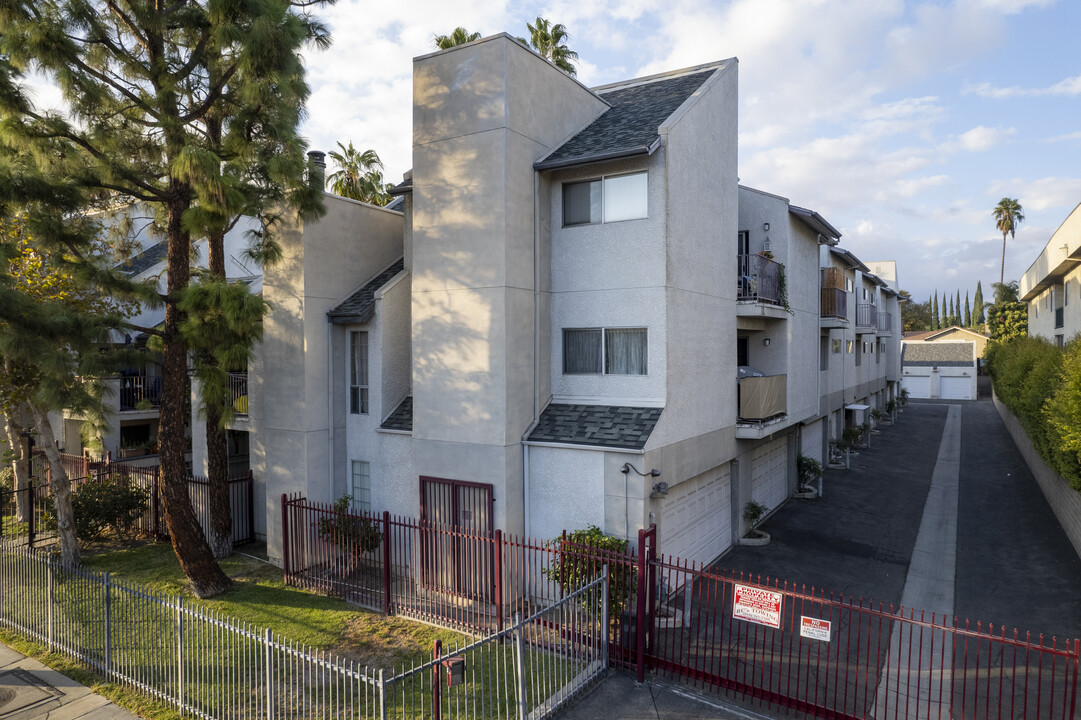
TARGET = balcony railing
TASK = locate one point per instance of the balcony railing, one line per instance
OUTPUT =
(139, 392)
(761, 398)
(1058, 318)
(759, 278)
(885, 322)
(238, 389)
(834, 303)
(866, 316)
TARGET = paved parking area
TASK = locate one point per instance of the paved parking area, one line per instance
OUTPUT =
(1010, 562)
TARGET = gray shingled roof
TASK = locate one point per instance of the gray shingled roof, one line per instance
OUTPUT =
(146, 259)
(940, 354)
(602, 425)
(360, 305)
(401, 418)
(405, 186)
(630, 126)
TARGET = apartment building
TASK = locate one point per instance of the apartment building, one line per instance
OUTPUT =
(577, 317)
(1050, 281)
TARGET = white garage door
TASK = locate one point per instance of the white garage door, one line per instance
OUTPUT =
(955, 388)
(918, 387)
(696, 519)
(811, 442)
(769, 478)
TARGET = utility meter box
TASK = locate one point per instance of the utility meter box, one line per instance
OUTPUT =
(455, 667)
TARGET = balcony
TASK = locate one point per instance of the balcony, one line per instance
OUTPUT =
(1058, 318)
(866, 318)
(759, 287)
(763, 403)
(885, 323)
(834, 313)
(139, 392)
(238, 391)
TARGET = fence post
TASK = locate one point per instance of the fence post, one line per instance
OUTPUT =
(49, 602)
(519, 665)
(387, 576)
(497, 551)
(285, 538)
(640, 621)
(651, 571)
(382, 696)
(108, 626)
(180, 652)
(604, 617)
(269, 639)
(437, 689)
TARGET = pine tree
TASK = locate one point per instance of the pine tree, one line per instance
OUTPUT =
(143, 82)
(977, 307)
(934, 312)
(968, 312)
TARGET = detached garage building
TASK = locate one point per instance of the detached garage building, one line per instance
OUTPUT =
(942, 370)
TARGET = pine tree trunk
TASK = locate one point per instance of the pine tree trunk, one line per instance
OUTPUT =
(14, 424)
(189, 543)
(217, 447)
(60, 489)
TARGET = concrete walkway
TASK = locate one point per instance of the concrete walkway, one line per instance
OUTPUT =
(30, 690)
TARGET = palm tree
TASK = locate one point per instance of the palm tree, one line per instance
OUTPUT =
(359, 175)
(1008, 215)
(460, 36)
(549, 42)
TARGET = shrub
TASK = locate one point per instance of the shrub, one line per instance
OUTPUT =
(352, 533)
(809, 469)
(7, 478)
(1063, 414)
(97, 506)
(753, 512)
(580, 558)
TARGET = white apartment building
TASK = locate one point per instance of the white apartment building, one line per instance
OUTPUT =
(1051, 280)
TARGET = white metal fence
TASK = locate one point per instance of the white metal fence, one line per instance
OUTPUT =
(208, 665)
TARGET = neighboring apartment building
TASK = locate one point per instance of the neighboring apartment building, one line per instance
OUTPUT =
(1051, 280)
(562, 307)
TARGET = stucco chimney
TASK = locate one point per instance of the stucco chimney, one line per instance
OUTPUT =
(318, 172)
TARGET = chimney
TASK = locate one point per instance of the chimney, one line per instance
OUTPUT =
(317, 172)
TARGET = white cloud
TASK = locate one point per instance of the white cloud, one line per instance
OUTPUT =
(1041, 194)
(1064, 88)
(1065, 138)
(978, 139)
(1011, 7)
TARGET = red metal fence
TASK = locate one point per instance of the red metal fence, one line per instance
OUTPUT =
(803, 651)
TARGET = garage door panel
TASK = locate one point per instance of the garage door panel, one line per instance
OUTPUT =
(811, 442)
(696, 519)
(769, 484)
(918, 386)
(955, 388)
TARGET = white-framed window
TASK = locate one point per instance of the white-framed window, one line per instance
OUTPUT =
(606, 199)
(607, 351)
(849, 285)
(849, 346)
(837, 345)
(358, 373)
(361, 485)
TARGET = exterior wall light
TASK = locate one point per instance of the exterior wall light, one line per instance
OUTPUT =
(766, 342)
(765, 227)
(627, 467)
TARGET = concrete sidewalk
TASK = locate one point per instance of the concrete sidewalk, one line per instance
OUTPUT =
(30, 690)
(619, 696)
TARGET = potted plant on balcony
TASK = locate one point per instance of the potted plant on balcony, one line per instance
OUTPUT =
(810, 472)
(753, 512)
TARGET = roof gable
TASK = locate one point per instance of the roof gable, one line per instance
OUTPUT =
(360, 306)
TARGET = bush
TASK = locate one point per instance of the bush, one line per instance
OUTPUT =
(1063, 414)
(809, 470)
(7, 478)
(753, 512)
(580, 559)
(98, 506)
(354, 534)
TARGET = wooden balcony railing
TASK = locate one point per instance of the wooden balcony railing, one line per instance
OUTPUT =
(834, 303)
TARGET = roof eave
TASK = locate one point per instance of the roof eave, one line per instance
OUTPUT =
(350, 318)
(638, 151)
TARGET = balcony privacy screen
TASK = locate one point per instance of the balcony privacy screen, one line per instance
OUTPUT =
(761, 398)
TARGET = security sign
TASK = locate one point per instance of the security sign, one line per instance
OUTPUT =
(757, 605)
(814, 628)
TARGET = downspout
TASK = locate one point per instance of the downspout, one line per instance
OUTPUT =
(330, 411)
(536, 351)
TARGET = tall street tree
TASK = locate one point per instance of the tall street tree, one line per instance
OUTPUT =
(968, 312)
(142, 84)
(934, 312)
(1008, 215)
(549, 41)
(359, 175)
(460, 36)
(977, 306)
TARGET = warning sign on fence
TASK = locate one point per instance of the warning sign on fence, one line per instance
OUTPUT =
(757, 605)
(814, 628)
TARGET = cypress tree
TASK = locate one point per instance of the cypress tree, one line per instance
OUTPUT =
(957, 309)
(948, 320)
(968, 312)
(142, 83)
(934, 312)
(977, 307)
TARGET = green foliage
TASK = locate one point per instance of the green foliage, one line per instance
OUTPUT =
(582, 556)
(460, 36)
(99, 506)
(1062, 413)
(353, 534)
(7, 479)
(809, 469)
(904, 396)
(1031, 378)
(1007, 321)
(977, 306)
(359, 175)
(1008, 215)
(549, 41)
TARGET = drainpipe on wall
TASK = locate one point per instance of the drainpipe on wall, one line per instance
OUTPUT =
(536, 353)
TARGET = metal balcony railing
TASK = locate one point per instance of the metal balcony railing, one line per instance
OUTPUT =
(885, 322)
(238, 388)
(834, 303)
(139, 392)
(866, 316)
(759, 278)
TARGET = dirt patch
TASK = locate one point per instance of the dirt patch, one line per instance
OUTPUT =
(390, 642)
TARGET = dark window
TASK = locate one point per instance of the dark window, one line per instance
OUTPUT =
(741, 351)
(358, 373)
(582, 203)
(618, 351)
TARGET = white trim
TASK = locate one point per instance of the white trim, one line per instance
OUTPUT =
(392, 431)
(569, 446)
(606, 400)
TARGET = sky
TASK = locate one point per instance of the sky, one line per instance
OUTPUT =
(903, 123)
